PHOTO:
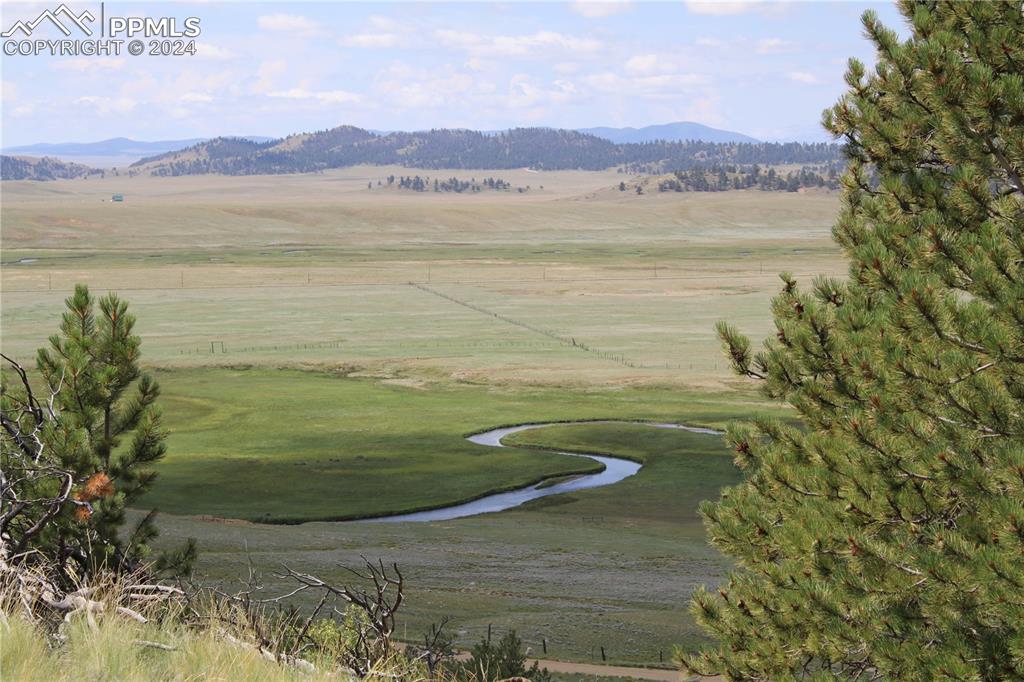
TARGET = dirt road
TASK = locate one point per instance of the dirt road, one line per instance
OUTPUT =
(613, 671)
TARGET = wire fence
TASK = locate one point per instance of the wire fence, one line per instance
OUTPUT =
(567, 341)
(426, 350)
(32, 278)
(540, 644)
(219, 347)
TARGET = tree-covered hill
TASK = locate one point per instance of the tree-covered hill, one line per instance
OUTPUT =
(45, 168)
(542, 148)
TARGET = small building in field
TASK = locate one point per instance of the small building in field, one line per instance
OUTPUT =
(117, 197)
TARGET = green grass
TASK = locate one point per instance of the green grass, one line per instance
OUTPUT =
(680, 469)
(609, 567)
(290, 446)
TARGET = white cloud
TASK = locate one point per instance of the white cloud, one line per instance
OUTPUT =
(268, 73)
(405, 87)
(288, 23)
(382, 23)
(803, 77)
(477, 64)
(722, 8)
(196, 97)
(89, 64)
(644, 64)
(213, 52)
(703, 110)
(108, 105)
(567, 68)
(370, 40)
(710, 42)
(668, 85)
(15, 105)
(525, 91)
(774, 46)
(596, 9)
(534, 45)
(323, 96)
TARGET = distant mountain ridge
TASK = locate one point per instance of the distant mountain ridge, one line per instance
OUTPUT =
(116, 146)
(126, 147)
(680, 131)
(539, 148)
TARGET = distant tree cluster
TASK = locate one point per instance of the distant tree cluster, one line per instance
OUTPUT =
(453, 184)
(665, 157)
(538, 148)
(215, 156)
(46, 168)
(719, 178)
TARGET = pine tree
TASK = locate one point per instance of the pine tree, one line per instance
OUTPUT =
(85, 456)
(505, 660)
(883, 535)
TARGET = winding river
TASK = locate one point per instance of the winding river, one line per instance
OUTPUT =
(615, 469)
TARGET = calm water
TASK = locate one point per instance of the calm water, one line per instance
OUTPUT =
(615, 469)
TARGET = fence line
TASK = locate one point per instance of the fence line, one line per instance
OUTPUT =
(567, 341)
(219, 347)
(308, 282)
(540, 643)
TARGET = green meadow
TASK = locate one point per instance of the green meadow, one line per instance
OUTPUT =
(324, 349)
(610, 567)
(291, 446)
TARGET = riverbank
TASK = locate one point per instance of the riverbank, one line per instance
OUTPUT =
(613, 469)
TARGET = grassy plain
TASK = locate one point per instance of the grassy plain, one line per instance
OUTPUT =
(324, 348)
(609, 567)
(316, 270)
(287, 445)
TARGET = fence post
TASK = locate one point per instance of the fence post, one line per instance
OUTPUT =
(603, 657)
(545, 643)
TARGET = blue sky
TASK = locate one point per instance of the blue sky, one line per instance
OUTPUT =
(766, 69)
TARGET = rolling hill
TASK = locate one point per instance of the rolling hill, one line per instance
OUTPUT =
(45, 168)
(538, 148)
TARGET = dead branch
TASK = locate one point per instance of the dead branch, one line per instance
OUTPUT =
(436, 650)
(378, 606)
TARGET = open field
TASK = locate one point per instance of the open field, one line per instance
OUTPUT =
(317, 269)
(324, 348)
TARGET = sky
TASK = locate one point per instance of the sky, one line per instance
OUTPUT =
(766, 69)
